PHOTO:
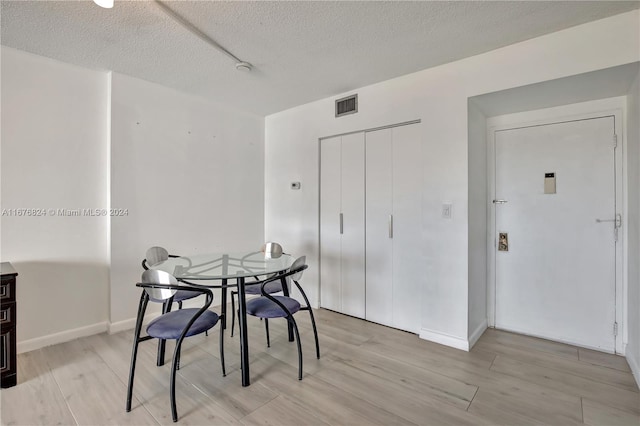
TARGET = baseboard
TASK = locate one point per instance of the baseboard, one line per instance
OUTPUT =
(128, 324)
(634, 364)
(89, 330)
(116, 327)
(477, 333)
(61, 337)
(444, 339)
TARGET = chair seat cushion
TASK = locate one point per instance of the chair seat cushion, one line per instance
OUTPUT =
(171, 325)
(264, 308)
(269, 288)
(184, 295)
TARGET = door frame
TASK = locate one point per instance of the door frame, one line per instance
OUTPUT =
(613, 107)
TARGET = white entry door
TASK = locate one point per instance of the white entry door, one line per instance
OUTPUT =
(556, 276)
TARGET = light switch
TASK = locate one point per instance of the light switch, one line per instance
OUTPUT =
(446, 210)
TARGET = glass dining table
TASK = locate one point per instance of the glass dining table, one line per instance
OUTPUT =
(223, 271)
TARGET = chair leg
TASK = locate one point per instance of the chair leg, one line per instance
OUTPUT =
(134, 351)
(166, 307)
(177, 360)
(313, 320)
(224, 372)
(295, 330)
(266, 329)
(315, 332)
(233, 311)
(172, 385)
(132, 371)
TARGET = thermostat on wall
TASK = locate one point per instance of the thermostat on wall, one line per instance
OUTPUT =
(295, 185)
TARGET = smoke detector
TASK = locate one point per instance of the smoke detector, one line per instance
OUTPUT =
(244, 66)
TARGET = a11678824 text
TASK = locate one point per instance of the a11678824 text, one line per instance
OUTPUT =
(60, 212)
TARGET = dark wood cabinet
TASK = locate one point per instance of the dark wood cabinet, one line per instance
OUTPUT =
(8, 367)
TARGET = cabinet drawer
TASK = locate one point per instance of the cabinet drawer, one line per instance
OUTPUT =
(8, 315)
(7, 357)
(7, 289)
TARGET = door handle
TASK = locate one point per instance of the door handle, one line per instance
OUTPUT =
(617, 220)
(390, 226)
(341, 223)
(499, 201)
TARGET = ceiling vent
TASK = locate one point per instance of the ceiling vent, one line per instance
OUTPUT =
(346, 106)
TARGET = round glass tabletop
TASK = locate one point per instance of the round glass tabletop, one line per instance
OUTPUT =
(220, 266)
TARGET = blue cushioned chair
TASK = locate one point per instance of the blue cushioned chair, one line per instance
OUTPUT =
(154, 256)
(270, 250)
(269, 306)
(159, 286)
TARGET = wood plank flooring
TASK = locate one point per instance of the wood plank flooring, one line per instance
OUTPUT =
(367, 375)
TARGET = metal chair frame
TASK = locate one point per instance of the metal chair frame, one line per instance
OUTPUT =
(159, 254)
(144, 300)
(294, 272)
(269, 249)
(235, 293)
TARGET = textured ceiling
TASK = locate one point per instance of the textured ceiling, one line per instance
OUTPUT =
(301, 51)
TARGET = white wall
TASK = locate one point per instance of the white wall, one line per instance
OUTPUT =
(439, 97)
(477, 222)
(190, 173)
(54, 156)
(632, 351)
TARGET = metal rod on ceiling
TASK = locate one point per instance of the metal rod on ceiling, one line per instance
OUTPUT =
(190, 27)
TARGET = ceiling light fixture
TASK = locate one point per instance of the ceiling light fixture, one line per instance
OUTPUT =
(243, 66)
(107, 4)
(240, 64)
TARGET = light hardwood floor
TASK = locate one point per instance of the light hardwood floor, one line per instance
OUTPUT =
(367, 375)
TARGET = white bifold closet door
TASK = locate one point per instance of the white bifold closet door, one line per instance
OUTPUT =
(342, 271)
(394, 271)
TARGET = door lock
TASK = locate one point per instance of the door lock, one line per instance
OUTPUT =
(617, 224)
(499, 201)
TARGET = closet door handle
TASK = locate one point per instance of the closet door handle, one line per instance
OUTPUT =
(341, 223)
(390, 226)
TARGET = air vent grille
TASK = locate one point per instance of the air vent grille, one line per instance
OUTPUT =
(348, 105)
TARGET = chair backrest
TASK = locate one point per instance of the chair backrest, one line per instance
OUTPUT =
(302, 260)
(291, 272)
(156, 255)
(153, 276)
(271, 250)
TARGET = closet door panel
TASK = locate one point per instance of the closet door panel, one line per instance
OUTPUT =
(353, 237)
(379, 242)
(408, 274)
(330, 251)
